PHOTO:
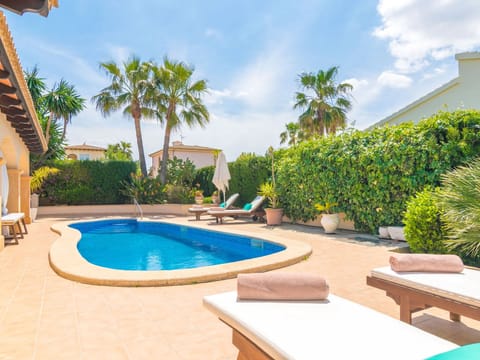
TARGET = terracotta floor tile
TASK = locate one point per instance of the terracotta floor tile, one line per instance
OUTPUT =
(43, 316)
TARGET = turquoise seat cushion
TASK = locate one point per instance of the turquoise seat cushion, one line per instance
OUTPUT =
(247, 206)
(467, 352)
(222, 204)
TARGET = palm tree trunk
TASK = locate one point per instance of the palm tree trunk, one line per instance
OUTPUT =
(166, 142)
(64, 131)
(47, 130)
(141, 153)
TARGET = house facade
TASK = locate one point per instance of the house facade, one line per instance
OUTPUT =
(20, 131)
(85, 152)
(461, 92)
(200, 156)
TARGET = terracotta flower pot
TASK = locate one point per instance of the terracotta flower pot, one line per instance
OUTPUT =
(274, 216)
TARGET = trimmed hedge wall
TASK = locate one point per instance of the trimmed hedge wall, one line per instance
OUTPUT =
(372, 174)
(247, 173)
(87, 182)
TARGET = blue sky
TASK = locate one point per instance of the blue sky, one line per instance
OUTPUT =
(251, 53)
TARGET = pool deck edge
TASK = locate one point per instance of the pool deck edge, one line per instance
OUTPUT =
(66, 261)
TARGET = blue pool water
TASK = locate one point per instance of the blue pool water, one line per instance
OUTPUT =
(128, 244)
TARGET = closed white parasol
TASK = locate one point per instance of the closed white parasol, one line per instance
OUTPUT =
(4, 182)
(221, 176)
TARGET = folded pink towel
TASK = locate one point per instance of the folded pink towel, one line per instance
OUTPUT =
(281, 286)
(426, 263)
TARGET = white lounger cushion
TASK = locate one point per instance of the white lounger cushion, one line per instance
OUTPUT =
(463, 286)
(332, 329)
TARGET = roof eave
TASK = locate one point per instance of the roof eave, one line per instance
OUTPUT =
(20, 7)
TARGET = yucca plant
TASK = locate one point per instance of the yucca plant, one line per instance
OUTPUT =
(460, 199)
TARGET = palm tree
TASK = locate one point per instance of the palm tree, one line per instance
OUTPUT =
(119, 151)
(292, 134)
(129, 90)
(36, 86)
(459, 200)
(178, 101)
(326, 103)
(62, 102)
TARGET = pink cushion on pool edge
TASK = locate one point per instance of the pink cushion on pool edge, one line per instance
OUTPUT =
(281, 286)
(426, 263)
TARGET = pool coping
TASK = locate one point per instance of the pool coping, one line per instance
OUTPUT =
(67, 262)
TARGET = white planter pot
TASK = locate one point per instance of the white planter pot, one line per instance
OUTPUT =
(33, 213)
(34, 200)
(383, 232)
(330, 222)
(396, 233)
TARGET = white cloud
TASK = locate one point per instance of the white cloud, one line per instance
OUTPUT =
(261, 80)
(218, 96)
(419, 31)
(393, 80)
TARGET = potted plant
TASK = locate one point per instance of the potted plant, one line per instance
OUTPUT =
(273, 213)
(36, 182)
(330, 218)
(215, 198)
(198, 197)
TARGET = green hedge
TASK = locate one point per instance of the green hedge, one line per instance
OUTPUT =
(247, 173)
(87, 182)
(372, 174)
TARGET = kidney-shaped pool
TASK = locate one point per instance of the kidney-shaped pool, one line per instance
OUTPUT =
(128, 244)
(128, 252)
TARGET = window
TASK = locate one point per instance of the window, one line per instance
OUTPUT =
(84, 157)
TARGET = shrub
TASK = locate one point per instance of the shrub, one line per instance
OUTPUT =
(247, 173)
(86, 182)
(178, 194)
(144, 190)
(460, 199)
(180, 172)
(423, 225)
(372, 174)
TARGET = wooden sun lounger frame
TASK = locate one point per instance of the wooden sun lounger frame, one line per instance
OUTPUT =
(412, 300)
(14, 221)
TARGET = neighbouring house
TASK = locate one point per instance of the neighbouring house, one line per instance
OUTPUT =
(461, 92)
(85, 152)
(200, 156)
(20, 131)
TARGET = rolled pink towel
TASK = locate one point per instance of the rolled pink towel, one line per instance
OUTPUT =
(426, 263)
(281, 286)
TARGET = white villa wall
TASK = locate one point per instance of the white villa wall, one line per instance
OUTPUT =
(199, 159)
(92, 154)
(460, 93)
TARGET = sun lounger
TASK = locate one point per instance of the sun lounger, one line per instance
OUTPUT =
(13, 222)
(253, 211)
(199, 210)
(331, 329)
(458, 293)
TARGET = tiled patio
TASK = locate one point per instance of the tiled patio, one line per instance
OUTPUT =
(43, 316)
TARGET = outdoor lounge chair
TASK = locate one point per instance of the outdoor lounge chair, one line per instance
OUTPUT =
(457, 293)
(329, 329)
(201, 210)
(14, 222)
(252, 211)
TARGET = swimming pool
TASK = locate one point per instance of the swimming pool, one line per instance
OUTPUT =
(128, 244)
(65, 258)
